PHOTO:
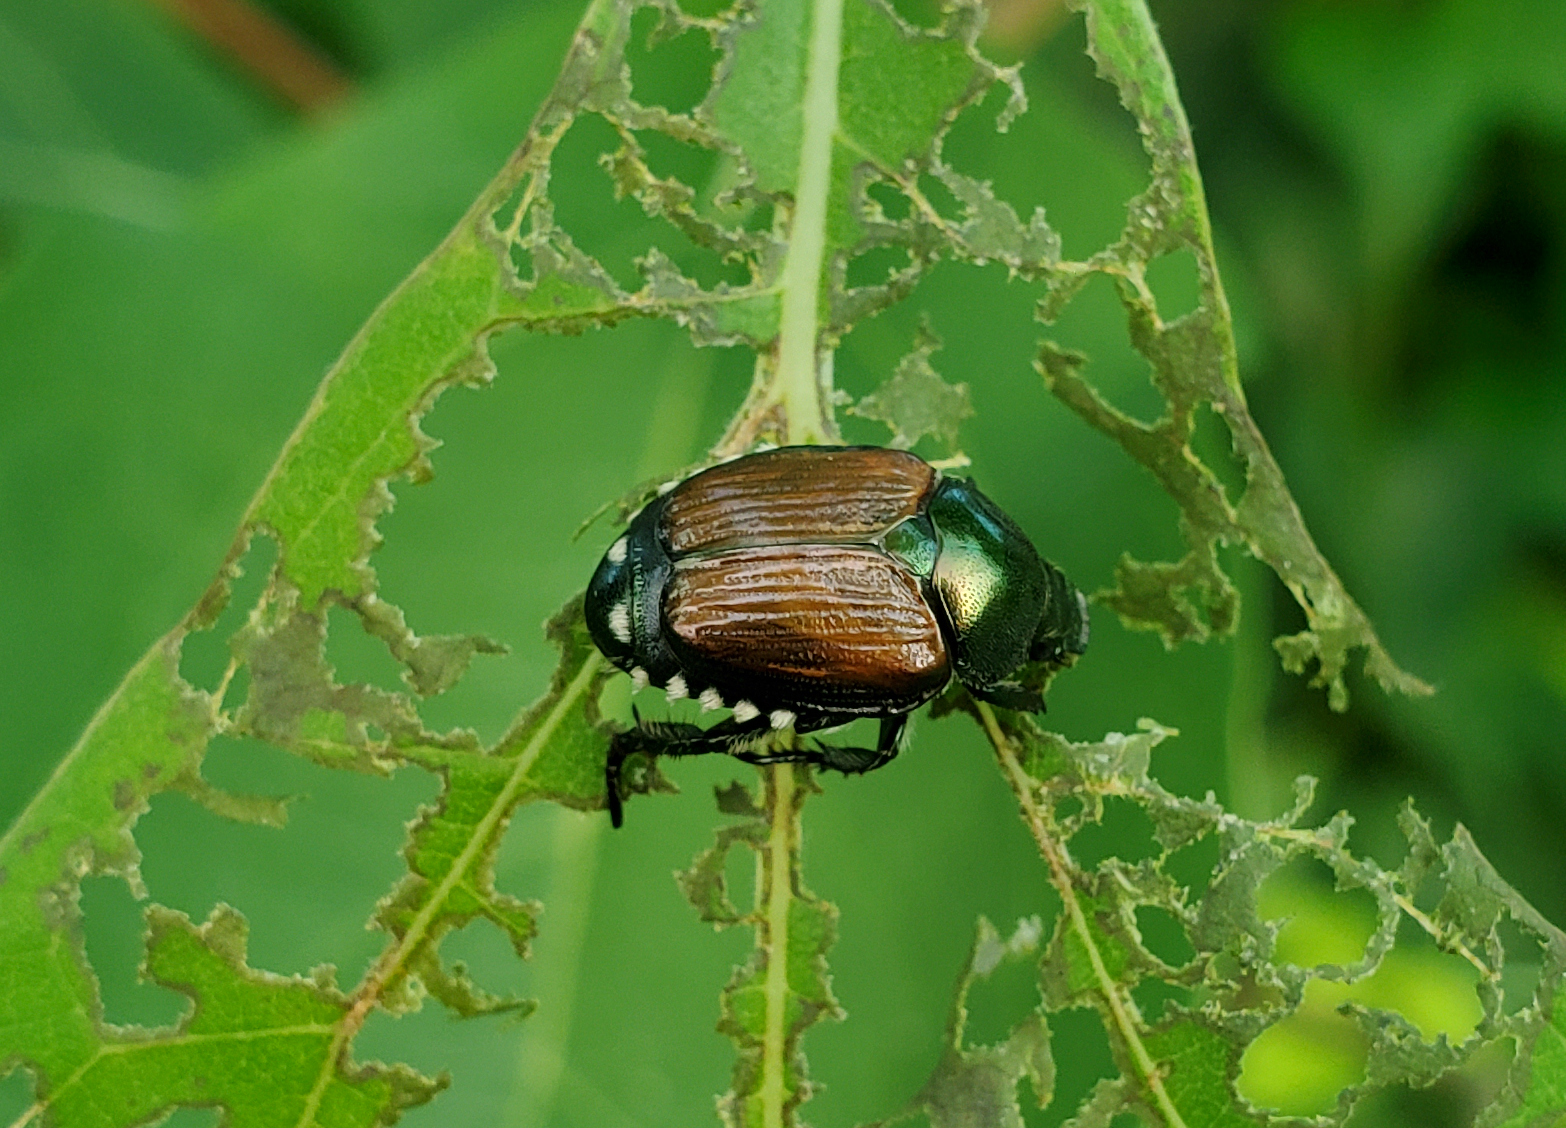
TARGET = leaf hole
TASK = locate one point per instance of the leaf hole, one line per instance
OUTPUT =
(1164, 935)
(669, 70)
(1298, 1065)
(357, 657)
(16, 1094)
(605, 219)
(1124, 832)
(710, 175)
(876, 266)
(1062, 155)
(612, 229)
(1175, 283)
(481, 950)
(1095, 322)
(114, 935)
(1521, 973)
(1318, 925)
(940, 197)
(999, 1001)
(1082, 1059)
(1192, 865)
(1214, 446)
(204, 655)
(671, 158)
(1156, 999)
(1069, 808)
(306, 889)
(739, 867)
(894, 205)
(1029, 1099)
(1434, 990)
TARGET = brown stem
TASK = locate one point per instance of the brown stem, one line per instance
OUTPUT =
(274, 54)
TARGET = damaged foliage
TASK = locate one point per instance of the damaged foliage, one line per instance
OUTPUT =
(784, 989)
(1180, 1064)
(812, 105)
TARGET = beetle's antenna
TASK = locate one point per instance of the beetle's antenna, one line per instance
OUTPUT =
(592, 519)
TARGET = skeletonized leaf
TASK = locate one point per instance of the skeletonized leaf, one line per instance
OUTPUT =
(976, 1086)
(1194, 364)
(916, 402)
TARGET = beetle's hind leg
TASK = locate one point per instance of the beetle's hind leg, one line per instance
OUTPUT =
(849, 761)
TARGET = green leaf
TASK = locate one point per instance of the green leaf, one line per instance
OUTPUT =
(555, 750)
(1199, 1064)
(253, 1044)
(323, 496)
(811, 105)
(1537, 1085)
(153, 730)
(1239, 985)
(263, 1047)
(783, 989)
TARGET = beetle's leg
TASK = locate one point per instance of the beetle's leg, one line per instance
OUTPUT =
(889, 744)
(725, 736)
(849, 761)
(671, 738)
(618, 751)
(858, 760)
(738, 739)
(645, 736)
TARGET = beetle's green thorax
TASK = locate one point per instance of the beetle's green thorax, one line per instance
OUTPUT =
(992, 584)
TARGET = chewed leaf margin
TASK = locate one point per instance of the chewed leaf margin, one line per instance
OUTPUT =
(508, 263)
(783, 988)
(1194, 363)
(1183, 1066)
(978, 1084)
(80, 1065)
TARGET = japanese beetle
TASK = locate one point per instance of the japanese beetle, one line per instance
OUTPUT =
(805, 587)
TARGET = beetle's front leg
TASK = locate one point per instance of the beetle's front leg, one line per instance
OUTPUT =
(672, 738)
(1010, 695)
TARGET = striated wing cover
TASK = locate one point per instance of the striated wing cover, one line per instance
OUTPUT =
(814, 626)
(796, 495)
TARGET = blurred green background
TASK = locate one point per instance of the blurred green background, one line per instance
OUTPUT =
(184, 249)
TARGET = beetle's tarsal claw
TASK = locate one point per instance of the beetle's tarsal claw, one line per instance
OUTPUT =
(849, 761)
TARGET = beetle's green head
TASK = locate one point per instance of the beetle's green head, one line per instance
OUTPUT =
(1062, 635)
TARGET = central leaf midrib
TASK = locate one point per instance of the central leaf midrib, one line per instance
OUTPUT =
(797, 387)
